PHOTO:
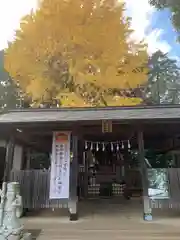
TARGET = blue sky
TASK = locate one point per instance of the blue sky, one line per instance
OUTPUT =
(162, 20)
(153, 26)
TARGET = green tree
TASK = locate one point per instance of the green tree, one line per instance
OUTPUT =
(163, 79)
(8, 97)
(10, 94)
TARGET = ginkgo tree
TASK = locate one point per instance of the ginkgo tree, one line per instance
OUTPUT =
(79, 52)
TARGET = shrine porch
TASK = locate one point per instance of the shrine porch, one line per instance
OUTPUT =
(107, 222)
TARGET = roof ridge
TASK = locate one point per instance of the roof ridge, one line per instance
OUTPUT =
(92, 108)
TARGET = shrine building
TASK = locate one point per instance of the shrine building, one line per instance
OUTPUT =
(66, 157)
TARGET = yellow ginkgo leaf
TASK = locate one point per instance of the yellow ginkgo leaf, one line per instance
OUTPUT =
(83, 48)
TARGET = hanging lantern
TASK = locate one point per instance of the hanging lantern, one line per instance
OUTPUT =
(129, 145)
(97, 147)
(122, 146)
(86, 145)
(112, 148)
(103, 147)
(117, 147)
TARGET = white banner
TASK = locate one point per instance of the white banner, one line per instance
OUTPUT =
(60, 166)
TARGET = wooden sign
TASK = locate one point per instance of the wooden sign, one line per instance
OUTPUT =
(60, 166)
(106, 126)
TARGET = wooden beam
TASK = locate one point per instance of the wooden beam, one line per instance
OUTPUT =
(147, 211)
(9, 158)
(73, 180)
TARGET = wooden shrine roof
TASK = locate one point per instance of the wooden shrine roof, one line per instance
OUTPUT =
(168, 112)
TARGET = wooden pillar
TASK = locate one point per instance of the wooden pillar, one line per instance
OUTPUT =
(28, 159)
(73, 199)
(8, 159)
(85, 174)
(80, 162)
(147, 211)
(127, 190)
(18, 157)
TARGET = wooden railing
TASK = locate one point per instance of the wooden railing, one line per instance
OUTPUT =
(35, 186)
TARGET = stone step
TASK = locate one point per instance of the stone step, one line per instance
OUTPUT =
(106, 229)
(107, 236)
(140, 233)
